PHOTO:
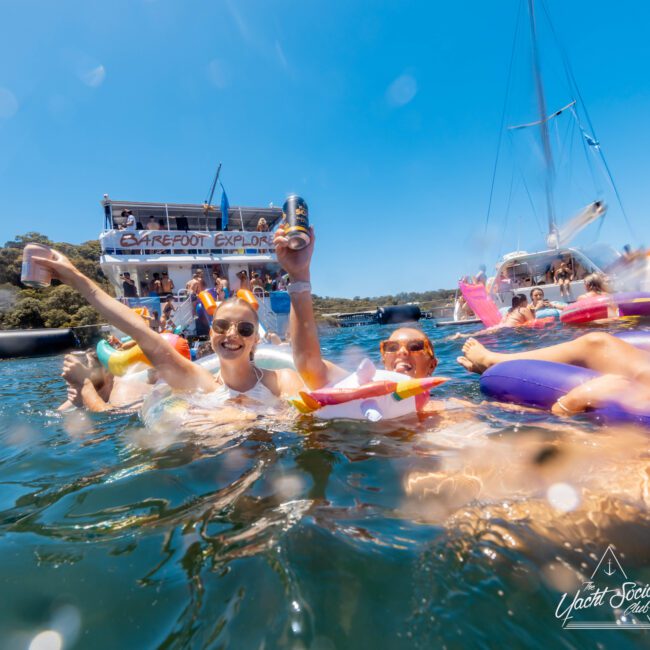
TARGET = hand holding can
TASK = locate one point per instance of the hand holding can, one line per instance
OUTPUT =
(33, 274)
(295, 214)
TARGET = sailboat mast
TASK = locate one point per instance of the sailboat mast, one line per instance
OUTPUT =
(543, 125)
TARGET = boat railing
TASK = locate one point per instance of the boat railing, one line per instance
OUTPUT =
(184, 316)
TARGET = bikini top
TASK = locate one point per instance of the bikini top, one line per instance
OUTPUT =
(258, 398)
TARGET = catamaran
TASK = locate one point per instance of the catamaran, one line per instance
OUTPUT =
(518, 271)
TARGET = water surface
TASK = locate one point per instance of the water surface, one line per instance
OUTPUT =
(312, 535)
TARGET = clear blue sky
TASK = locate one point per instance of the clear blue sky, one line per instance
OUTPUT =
(383, 115)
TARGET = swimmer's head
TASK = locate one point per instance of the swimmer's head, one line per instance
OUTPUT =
(409, 351)
(234, 331)
(594, 282)
(537, 294)
(519, 300)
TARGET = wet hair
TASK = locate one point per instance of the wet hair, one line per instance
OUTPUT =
(532, 291)
(518, 300)
(595, 282)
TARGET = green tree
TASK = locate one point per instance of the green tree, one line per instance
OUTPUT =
(25, 315)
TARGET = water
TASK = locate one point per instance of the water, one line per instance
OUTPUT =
(317, 535)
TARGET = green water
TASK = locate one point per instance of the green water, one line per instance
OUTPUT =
(303, 536)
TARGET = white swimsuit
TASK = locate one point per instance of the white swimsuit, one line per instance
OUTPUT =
(258, 399)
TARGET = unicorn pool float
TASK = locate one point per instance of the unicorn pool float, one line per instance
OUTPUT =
(368, 394)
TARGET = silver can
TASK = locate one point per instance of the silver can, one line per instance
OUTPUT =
(32, 274)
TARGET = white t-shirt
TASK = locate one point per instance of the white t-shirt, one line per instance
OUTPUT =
(130, 223)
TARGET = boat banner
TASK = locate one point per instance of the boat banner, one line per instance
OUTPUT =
(181, 241)
(480, 303)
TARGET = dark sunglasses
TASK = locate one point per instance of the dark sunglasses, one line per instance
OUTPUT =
(244, 328)
(412, 345)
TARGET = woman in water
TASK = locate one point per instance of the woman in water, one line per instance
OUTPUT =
(233, 336)
(519, 313)
(595, 286)
(625, 369)
(408, 350)
(538, 301)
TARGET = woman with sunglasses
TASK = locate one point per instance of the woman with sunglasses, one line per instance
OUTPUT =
(407, 350)
(233, 337)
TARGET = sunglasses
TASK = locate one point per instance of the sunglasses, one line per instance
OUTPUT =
(244, 328)
(412, 345)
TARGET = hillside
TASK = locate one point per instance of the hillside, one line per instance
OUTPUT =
(426, 299)
(55, 306)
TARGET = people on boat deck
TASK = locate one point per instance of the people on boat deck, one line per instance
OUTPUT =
(408, 350)
(152, 224)
(130, 223)
(233, 335)
(563, 276)
(244, 283)
(128, 286)
(155, 285)
(269, 285)
(625, 370)
(595, 286)
(167, 284)
(256, 282)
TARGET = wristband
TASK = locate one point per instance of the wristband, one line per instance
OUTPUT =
(299, 287)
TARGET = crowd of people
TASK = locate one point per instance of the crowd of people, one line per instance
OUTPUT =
(234, 337)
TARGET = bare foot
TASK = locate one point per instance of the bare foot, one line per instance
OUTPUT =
(477, 357)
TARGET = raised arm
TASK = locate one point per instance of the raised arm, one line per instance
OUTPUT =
(178, 372)
(313, 369)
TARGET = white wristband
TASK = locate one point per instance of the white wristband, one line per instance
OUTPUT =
(299, 287)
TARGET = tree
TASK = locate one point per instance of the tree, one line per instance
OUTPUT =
(25, 315)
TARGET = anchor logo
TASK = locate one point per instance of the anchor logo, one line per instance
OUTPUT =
(609, 571)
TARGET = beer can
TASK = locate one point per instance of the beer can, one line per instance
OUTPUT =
(32, 274)
(295, 214)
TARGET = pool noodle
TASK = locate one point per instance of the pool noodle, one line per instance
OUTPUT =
(480, 303)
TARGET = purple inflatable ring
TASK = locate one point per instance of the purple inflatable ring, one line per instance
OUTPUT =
(539, 384)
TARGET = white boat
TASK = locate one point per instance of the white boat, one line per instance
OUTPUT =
(520, 271)
(188, 238)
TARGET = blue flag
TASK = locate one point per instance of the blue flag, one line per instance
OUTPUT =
(224, 208)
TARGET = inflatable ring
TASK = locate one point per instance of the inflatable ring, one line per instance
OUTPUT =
(619, 305)
(118, 362)
(368, 394)
(548, 312)
(541, 383)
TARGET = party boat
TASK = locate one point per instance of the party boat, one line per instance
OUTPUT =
(179, 239)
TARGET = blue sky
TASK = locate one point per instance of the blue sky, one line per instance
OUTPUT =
(383, 115)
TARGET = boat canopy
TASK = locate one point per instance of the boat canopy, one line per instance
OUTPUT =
(187, 216)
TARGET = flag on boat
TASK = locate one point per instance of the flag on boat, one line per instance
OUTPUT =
(224, 208)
